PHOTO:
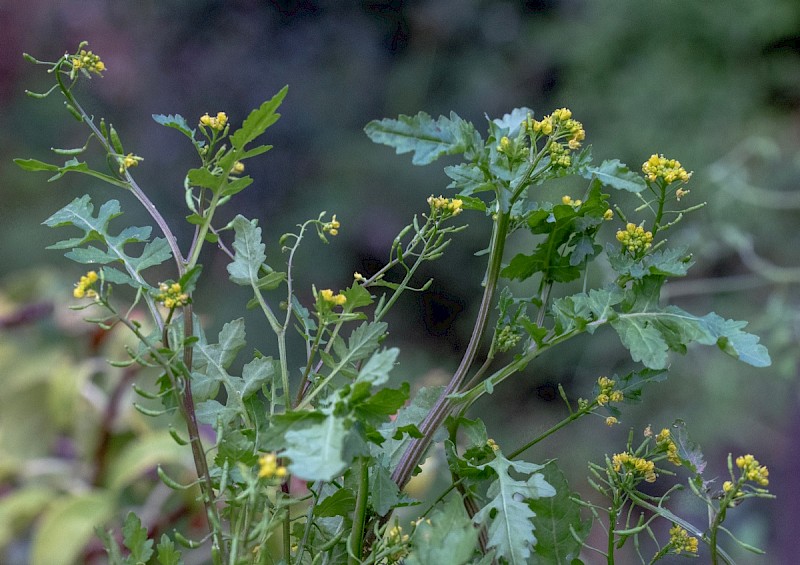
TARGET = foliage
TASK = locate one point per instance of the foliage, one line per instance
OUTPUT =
(311, 469)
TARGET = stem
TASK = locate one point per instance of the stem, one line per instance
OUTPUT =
(444, 403)
(660, 212)
(572, 417)
(359, 514)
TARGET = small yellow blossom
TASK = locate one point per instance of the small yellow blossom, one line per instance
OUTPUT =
(172, 295)
(607, 393)
(505, 145)
(216, 123)
(238, 168)
(333, 299)
(635, 239)
(627, 462)
(493, 444)
(664, 441)
(669, 170)
(452, 206)
(611, 420)
(358, 277)
(88, 61)
(332, 227)
(84, 286)
(680, 193)
(680, 540)
(268, 467)
(608, 214)
(570, 202)
(752, 470)
(128, 161)
(727, 486)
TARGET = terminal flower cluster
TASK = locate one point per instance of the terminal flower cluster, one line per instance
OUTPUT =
(635, 239)
(680, 540)
(328, 297)
(607, 393)
(268, 467)
(217, 123)
(565, 134)
(453, 206)
(669, 170)
(88, 61)
(628, 463)
(84, 286)
(332, 227)
(172, 295)
(751, 471)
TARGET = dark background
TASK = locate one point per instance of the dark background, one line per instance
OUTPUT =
(715, 84)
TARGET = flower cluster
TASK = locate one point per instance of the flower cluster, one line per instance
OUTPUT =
(332, 299)
(84, 286)
(664, 442)
(268, 467)
(332, 227)
(217, 123)
(752, 471)
(607, 393)
(493, 444)
(128, 161)
(395, 537)
(453, 206)
(570, 202)
(669, 170)
(680, 540)
(565, 134)
(507, 338)
(628, 462)
(89, 61)
(635, 239)
(172, 295)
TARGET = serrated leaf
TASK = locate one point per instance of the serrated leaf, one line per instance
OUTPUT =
(212, 361)
(340, 503)
(235, 186)
(643, 340)
(315, 452)
(249, 252)
(615, 174)
(363, 341)
(429, 139)
(134, 537)
(258, 120)
(467, 179)
(257, 373)
(558, 522)
(689, 452)
(204, 178)
(507, 516)
(376, 370)
(167, 554)
(511, 122)
(407, 419)
(447, 538)
(175, 121)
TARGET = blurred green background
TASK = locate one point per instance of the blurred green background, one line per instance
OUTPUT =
(715, 84)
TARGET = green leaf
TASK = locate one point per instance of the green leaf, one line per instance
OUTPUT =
(429, 139)
(235, 186)
(35, 165)
(507, 515)
(167, 554)
(664, 262)
(645, 343)
(377, 408)
(407, 420)
(467, 179)
(383, 491)
(134, 537)
(448, 538)
(315, 452)
(690, 454)
(558, 522)
(615, 174)
(257, 373)
(68, 525)
(249, 252)
(376, 370)
(341, 503)
(175, 121)
(19, 507)
(211, 363)
(143, 455)
(363, 341)
(258, 121)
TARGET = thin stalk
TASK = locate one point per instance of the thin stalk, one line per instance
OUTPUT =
(571, 418)
(359, 514)
(444, 404)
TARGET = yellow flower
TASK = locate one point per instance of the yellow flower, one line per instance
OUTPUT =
(128, 161)
(669, 170)
(238, 168)
(268, 467)
(333, 299)
(608, 214)
(611, 420)
(358, 277)
(451, 206)
(216, 123)
(88, 61)
(727, 486)
(680, 540)
(635, 239)
(636, 465)
(570, 202)
(493, 444)
(172, 295)
(505, 145)
(84, 286)
(332, 227)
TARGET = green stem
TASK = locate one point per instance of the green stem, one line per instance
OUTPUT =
(571, 418)
(359, 514)
(660, 212)
(444, 403)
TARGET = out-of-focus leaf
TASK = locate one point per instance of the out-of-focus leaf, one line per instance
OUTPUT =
(448, 538)
(142, 455)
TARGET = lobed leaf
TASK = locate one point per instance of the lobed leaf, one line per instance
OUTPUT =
(615, 174)
(258, 120)
(175, 121)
